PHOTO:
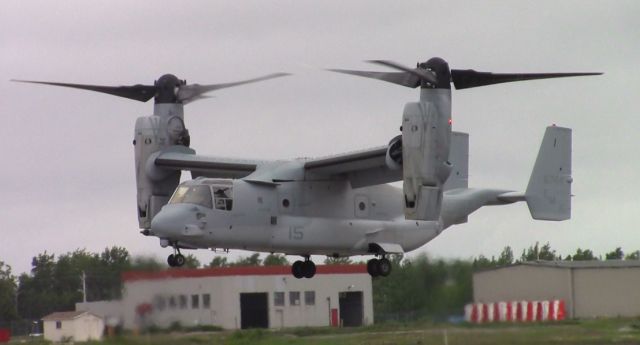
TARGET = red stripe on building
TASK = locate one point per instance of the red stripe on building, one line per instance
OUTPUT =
(237, 271)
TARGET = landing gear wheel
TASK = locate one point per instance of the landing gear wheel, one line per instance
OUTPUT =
(171, 260)
(309, 269)
(384, 267)
(297, 269)
(179, 260)
(372, 267)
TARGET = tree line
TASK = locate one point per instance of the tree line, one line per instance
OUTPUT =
(416, 287)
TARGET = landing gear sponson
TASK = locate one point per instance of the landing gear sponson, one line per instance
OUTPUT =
(303, 269)
(375, 267)
(379, 267)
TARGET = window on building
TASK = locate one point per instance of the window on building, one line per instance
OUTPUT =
(183, 301)
(159, 302)
(195, 301)
(310, 298)
(278, 299)
(58, 324)
(294, 298)
(172, 302)
(206, 301)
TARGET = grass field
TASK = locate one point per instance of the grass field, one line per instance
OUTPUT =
(609, 331)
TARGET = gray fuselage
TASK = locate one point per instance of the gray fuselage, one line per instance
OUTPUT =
(301, 217)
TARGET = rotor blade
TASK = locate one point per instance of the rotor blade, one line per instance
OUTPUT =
(420, 73)
(188, 93)
(467, 78)
(136, 92)
(400, 78)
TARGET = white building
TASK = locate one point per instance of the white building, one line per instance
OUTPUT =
(243, 297)
(72, 326)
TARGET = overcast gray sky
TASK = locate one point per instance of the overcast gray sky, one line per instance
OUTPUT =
(68, 178)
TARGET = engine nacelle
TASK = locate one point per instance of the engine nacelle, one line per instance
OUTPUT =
(153, 135)
(426, 135)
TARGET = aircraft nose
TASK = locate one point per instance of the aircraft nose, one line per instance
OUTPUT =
(169, 221)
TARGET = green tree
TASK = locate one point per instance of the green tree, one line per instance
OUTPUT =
(275, 260)
(506, 257)
(635, 255)
(147, 263)
(190, 261)
(330, 260)
(481, 262)
(36, 295)
(8, 289)
(583, 255)
(252, 260)
(113, 261)
(421, 287)
(616, 254)
(219, 261)
(70, 268)
(535, 253)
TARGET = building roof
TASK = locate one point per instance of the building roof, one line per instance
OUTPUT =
(65, 315)
(573, 264)
(585, 263)
(237, 271)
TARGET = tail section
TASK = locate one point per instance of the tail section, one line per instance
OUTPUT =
(548, 194)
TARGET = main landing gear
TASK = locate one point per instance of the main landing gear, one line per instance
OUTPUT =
(303, 269)
(379, 267)
(176, 259)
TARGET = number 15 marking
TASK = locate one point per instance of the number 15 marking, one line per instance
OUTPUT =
(295, 233)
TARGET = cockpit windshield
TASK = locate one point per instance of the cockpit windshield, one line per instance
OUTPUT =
(201, 194)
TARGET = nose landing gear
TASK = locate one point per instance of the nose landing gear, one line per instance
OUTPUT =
(303, 269)
(379, 267)
(176, 259)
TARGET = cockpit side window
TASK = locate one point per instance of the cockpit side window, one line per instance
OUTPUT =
(199, 195)
(223, 197)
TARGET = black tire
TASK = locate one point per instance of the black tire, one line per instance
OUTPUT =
(297, 269)
(372, 267)
(179, 260)
(171, 260)
(384, 267)
(309, 269)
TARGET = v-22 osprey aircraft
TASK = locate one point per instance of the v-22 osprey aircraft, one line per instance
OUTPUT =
(339, 205)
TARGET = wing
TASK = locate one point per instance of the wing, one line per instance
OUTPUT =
(368, 167)
(361, 168)
(207, 166)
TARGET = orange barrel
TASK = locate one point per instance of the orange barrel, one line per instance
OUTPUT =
(474, 313)
(485, 312)
(519, 312)
(561, 311)
(496, 312)
(468, 309)
(530, 311)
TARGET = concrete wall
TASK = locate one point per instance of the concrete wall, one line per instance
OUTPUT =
(523, 282)
(607, 292)
(224, 292)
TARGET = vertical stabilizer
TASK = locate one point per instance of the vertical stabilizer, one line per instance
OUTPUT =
(548, 194)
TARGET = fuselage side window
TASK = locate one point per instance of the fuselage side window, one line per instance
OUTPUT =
(223, 197)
